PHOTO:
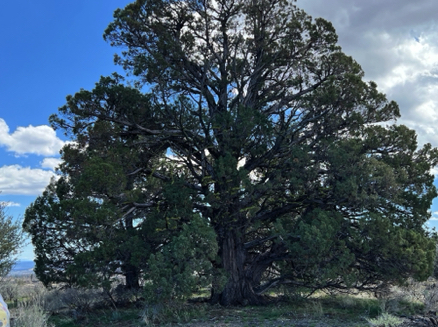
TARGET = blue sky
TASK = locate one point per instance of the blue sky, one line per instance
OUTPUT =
(53, 48)
(49, 49)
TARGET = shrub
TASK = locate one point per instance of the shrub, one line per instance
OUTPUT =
(385, 320)
(31, 316)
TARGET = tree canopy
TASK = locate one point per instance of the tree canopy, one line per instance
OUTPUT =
(11, 240)
(246, 136)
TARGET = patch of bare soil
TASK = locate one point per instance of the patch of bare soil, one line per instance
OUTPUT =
(245, 318)
(235, 317)
(415, 321)
(299, 322)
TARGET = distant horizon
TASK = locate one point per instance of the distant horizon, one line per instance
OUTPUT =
(23, 265)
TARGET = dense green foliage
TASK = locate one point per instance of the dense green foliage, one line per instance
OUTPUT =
(84, 230)
(11, 240)
(248, 152)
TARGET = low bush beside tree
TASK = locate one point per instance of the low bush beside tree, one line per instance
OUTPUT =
(11, 240)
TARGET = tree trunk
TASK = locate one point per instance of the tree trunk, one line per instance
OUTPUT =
(239, 288)
(131, 277)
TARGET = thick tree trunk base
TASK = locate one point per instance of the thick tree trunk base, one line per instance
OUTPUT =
(237, 295)
(132, 280)
(239, 288)
(226, 301)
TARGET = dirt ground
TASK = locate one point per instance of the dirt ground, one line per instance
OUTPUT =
(310, 322)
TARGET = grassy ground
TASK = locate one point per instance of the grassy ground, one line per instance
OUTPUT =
(321, 311)
(33, 306)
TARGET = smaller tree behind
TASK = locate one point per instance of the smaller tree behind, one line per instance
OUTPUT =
(11, 240)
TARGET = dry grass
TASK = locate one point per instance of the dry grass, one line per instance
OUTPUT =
(31, 316)
(26, 299)
(31, 305)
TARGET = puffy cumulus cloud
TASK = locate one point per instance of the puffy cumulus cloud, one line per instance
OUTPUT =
(9, 204)
(407, 71)
(40, 140)
(434, 216)
(396, 43)
(23, 180)
(353, 18)
(413, 83)
(379, 34)
(50, 163)
(434, 171)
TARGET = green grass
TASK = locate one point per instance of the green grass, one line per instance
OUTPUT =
(284, 309)
(348, 310)
(342, 310)
(123, 317)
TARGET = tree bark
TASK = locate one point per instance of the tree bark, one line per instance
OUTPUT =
(132, 277)
(239, 287)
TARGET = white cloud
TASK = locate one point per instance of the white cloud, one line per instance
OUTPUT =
(396, 44)
(40, 140)
(50, 163)
(23, 180)
(9, 204)
(434, 216)
(413, 82)
(434, 171)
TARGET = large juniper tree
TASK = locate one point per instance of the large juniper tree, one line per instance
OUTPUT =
(271, 137)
